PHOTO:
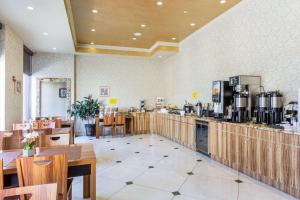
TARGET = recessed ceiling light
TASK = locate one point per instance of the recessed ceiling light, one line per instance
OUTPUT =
(93, 30)
(222, 1)
(137, 34)
(185, 12)
(95, 11)
(92, 43)
(160, 56)
(159, 3)
(45, 33)
(30, 8)
(174, 38)
(143, 25)
(54, 48)
(192, 24)
(134, 38)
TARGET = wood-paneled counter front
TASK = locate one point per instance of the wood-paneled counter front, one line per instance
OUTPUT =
(268, 155)
(177, 128)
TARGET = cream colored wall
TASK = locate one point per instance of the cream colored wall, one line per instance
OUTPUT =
(129, 78)
(255, 37)
(2, 81)
(13, 67)
(50, 65)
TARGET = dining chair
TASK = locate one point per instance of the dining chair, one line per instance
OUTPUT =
(120, 123)
(108, 122)
(46, 169)
(47, 124)
(36, 192)
(58, 122)
(58, 136)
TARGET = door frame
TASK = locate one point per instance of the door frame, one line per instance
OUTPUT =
(39, 91)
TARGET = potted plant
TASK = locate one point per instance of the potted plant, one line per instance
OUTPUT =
(86, 110)
(29, 141)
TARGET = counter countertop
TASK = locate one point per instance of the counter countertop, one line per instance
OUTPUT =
(248, 124)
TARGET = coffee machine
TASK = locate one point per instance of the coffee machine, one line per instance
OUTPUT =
(221, 97)
(262, 108)
(245, 89)
(276, 107)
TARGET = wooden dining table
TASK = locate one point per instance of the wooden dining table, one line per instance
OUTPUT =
(81, 162)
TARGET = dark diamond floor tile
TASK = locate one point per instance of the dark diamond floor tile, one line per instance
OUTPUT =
(140, 138)
(176, 193)
(151, 167)
(118, 161)
(176, 148)
(238, 181)
(91, 139)
(108, 141)
(112, 149)
(129, 183)
(199, 160)
(166, 156)
(190, 173)
(137, 152)
(161, 140)
(128, 143)
(150, 145)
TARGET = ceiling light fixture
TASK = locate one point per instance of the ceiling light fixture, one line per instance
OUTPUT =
(30, 8)
(160, 56)
(93, 30)
(174, 38)
(95, 11)
(137, 34)
(185, 12)
(159, 3)
(54, 48)
(92, 43)
(143, 25)
(192, 24)
(45, 33)
(222, 1)
(134, 38)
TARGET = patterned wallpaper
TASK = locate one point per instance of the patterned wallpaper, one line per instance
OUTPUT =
(13, 67)
(256, 37)
(2, 81)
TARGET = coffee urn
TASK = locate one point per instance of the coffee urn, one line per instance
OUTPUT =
(276, 107)
(240, 112)
(262, 108)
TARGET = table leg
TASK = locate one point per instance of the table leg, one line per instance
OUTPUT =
(89, 184)
(86, 186)
(93, 182)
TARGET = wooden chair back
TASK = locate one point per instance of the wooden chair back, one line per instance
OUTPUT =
(108, 120)
(1, 175)
(58, 122)
(43, 170)
(47, 124)
(37, 192)
(14, 141)
(21, 126)
(120, 119)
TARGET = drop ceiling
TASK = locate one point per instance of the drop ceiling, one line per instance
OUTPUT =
(116, 21)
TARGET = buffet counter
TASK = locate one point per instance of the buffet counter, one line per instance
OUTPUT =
(266, 154)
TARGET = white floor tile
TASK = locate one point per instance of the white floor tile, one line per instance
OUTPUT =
(210, 180)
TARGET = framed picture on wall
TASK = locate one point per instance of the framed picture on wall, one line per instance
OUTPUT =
(62, 92)
(104, 91)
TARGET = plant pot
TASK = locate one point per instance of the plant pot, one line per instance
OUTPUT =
(28, 153)
(90, 129)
